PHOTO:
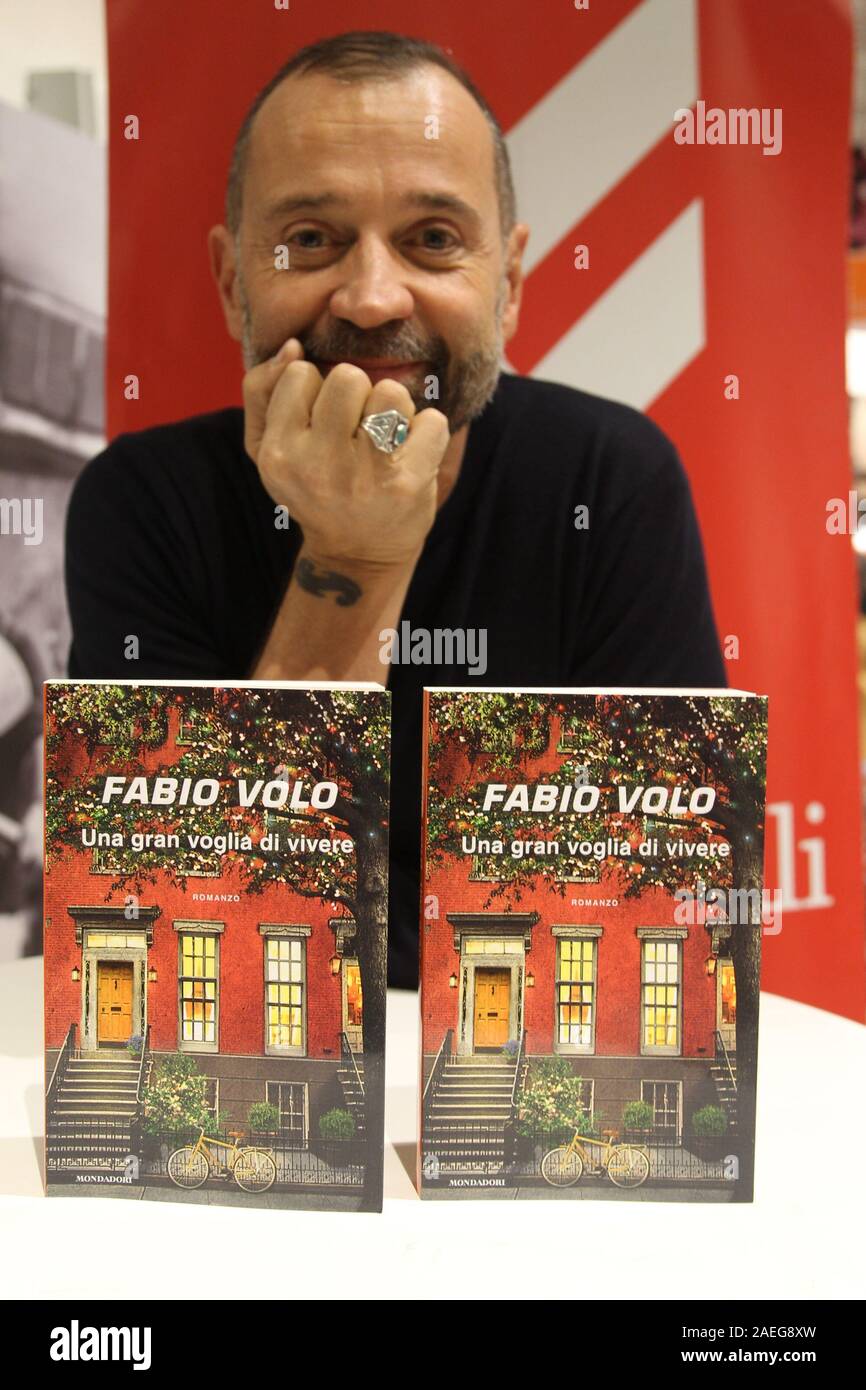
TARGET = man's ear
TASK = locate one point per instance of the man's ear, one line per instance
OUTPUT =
(514, 278)
(221, 252)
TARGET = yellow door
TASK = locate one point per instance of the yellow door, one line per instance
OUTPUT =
(492, 995)
(114, 1001)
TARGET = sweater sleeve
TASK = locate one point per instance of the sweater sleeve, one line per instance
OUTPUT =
(648, 611)
(135, 592)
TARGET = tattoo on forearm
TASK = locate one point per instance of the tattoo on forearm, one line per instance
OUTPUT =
(321, 581)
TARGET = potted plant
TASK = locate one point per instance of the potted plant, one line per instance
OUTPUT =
(263, 1118)
(134, 1045)
(637, 1120)
(709, 1132)
(337, 1124)
(511, 1049)
(336, 1128)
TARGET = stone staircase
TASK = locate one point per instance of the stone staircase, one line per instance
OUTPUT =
(725, 1091)
(353, 1095)
(467, 1115)
(91, 1117)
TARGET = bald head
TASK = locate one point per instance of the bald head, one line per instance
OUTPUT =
(370, 57)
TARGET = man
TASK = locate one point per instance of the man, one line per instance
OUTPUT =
(371, 263)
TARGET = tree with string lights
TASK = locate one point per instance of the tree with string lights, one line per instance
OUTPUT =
(303, 736)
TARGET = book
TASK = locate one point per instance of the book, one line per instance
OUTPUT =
(216, 862)
(592, 907)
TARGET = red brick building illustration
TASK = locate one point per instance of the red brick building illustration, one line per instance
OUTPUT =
(261, 989)
(560, 963)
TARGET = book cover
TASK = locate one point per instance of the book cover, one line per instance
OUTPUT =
(216, 891)
(592, 906)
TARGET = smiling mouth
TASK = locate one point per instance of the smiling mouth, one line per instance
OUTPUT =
(377, 368)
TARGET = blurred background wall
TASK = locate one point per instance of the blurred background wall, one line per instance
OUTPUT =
(52, 364)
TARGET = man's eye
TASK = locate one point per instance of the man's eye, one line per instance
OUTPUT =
(308, 239)
(437, 239)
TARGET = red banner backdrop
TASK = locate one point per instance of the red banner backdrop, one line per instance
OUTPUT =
(713, 299)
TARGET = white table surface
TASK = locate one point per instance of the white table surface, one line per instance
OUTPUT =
(802, 1238)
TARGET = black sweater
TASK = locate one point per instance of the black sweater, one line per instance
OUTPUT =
(171, 537)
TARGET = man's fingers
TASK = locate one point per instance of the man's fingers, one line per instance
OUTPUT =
(341, 401)
(292, 399)
(428, 439)
(286, 394)
(386, 395)
(428, 428)
(258, 386)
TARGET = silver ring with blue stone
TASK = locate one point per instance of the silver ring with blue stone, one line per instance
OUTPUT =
(388, 429)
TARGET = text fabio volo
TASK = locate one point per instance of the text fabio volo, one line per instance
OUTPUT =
(204, 791)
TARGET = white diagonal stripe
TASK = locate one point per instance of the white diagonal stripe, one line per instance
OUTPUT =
(602, 118)
(641, 333)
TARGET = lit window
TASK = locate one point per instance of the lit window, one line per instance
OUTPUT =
(198, 989)
(575, 993)
(354, 1005)
(728, 989)
(660, 996)
(284, 991)
(118, 939)
(493, 946)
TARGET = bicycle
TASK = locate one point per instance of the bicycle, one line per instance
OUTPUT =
(254, 1170)
(625, 1165)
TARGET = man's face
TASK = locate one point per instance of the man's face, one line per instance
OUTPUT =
(395, 254)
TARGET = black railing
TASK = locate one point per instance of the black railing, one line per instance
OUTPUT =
(142, 1066)
(479, 1145)
(88, 1143)
(442, 1057)
(722, 1051)
(347, 1054)
(60, 1065)
(673, 1158)
(110, 1146)
(515, 1150)
(318, 1163)
(517, 1070)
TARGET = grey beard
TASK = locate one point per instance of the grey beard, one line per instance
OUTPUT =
(460, 387)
